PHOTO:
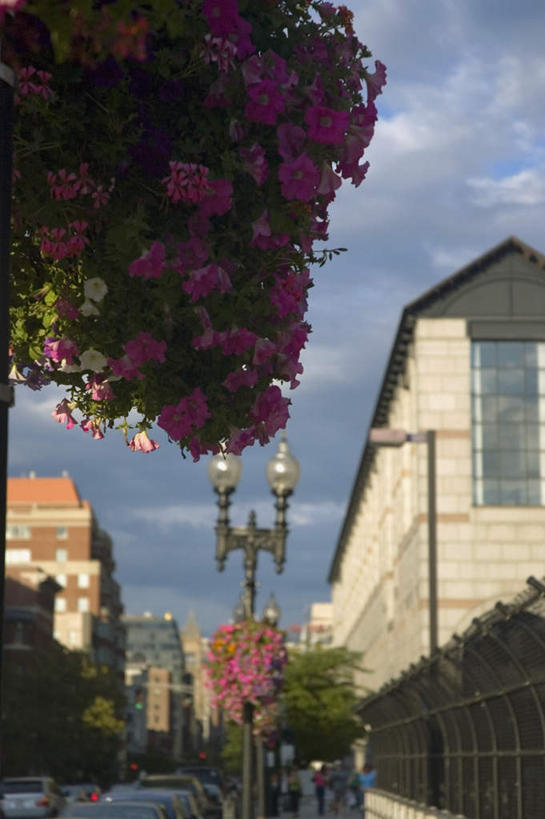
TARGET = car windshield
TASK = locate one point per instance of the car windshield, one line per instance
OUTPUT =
(116, 810)
(22, 786)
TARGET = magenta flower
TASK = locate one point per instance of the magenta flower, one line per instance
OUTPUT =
(265, 102)
(66, 308)
(92, 425)
(142, 443)
(255, 162)
(329, 181)
(151, 264)
(186, 182)
(291, 139)
(187, 416)
(375, 82)
(145, 348)
(63, 415)
(262, 235)
(270, 412)
(202, 281)
(325, 125)
(125, 368)
(60, 349)
(101, 389)
(240, 378)
(217, 200)
(299, 179)
(236, 342)
(289, 293)
(222, 16)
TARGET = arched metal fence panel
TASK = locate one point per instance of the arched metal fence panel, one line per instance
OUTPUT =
(464, 730)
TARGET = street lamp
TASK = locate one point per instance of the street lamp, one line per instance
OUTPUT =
(282, 473)
(382, 437)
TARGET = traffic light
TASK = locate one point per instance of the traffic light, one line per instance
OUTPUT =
(133, 766)
(138, 699)
(202, 755)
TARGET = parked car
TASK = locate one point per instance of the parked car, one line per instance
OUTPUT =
(82, 792)
(30, 797)
(116, 809)
(205, 773)
(189, 802)
(182, 781)
(168, 799)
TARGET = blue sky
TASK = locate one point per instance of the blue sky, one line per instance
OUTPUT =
(457, 165)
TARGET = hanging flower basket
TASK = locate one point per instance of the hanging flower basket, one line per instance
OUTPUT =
(245, 663)
(174, 164)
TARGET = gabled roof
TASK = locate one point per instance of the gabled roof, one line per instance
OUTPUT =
(398, 359)
(46, 491)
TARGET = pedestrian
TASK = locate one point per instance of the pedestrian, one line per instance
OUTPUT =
(338, 782)
(355, 797)
(274, 791)
(368, 778)
(320, 781)
(294, 789)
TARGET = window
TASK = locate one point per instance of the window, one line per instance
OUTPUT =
(17, 532)
(61, 580)
(508, 409)
(83, 604)
(60, 604)
(17, 556)
(62, 532)
(83, 581)
(61, 555)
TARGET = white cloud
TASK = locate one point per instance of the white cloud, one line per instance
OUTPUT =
(524, 188)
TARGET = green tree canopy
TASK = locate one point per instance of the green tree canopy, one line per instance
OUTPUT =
(62, 715)
(320, 701)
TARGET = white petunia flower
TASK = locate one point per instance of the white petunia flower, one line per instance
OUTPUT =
(92, 360)
(88, 309)
(69, 368)
(95, 289)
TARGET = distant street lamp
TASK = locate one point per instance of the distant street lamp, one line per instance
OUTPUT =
(282, 473)
(383, 437)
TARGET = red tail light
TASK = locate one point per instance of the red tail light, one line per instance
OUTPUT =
(43, 802)
(94, 797)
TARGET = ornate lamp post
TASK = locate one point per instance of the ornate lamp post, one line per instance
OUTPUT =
(283, 475)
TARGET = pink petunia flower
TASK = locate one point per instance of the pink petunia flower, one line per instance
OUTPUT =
(222, 16)
(151, 264)
(145, 348)
(217, 199)
(202, 281)
(92, 425)
(325, 125)
(66, 308)
(101, 389)
(125, 367)
(265, 102)
(299, 178)
(376, 82)
(270, 412)
(291, 139)
(255, 162)
(240, 378)
(186, 417)
(236, 342)
(59, 349)
(63, 415)
(262, 234)
(142, 443)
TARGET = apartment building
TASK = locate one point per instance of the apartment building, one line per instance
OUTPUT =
(50, 528)
(468, 364)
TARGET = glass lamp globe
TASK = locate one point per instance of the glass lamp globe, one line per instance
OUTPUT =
(283, 470)
(271, 612)
(224, 472)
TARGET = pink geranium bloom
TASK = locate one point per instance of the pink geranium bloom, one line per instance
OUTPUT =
(265, 102)
(63, 415)
(299, 179)
(151, 264)
(186, 182)
(202, 281)
(325, 125)
(142, 443)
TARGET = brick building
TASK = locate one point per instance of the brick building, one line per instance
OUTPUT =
(50, 528)
(468, 362)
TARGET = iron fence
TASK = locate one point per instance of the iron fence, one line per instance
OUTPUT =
(464, 730)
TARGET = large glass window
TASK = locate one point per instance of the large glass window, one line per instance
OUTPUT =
(508, 407)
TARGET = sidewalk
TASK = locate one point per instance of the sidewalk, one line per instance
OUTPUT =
(308, 809)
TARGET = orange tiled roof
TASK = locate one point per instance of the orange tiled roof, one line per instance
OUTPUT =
(43, 490)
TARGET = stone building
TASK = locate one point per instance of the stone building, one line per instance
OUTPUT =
(467, 362)
(50, 528)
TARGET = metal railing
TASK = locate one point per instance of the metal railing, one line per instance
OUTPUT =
(464, 730)
(382, 805)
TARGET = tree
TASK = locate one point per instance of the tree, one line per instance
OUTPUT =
(62, 714)
(320, 702)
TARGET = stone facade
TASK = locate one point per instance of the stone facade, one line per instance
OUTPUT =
(379, 574)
